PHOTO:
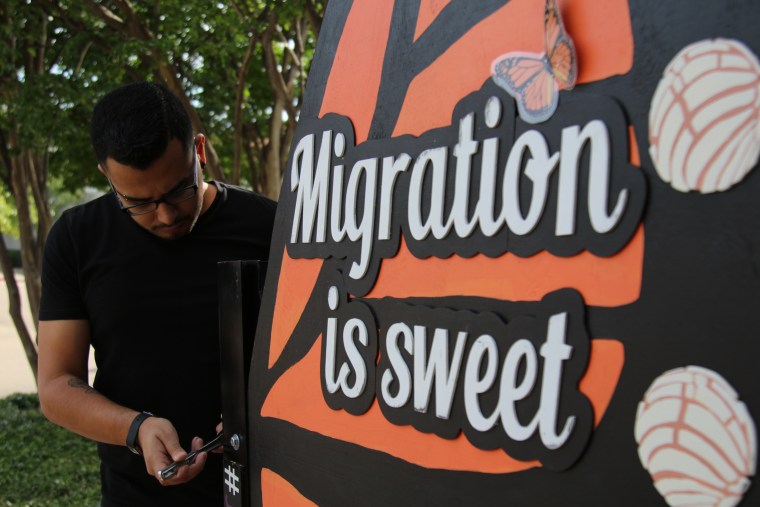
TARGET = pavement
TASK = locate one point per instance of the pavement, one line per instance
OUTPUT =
(15, 373)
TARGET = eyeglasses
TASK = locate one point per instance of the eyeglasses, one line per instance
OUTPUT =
(172, 198)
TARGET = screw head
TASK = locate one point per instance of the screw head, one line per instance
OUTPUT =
(235, 441)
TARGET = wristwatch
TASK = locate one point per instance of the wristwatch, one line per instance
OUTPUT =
(132, 444)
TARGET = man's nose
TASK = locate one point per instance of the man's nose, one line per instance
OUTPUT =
(166, 213)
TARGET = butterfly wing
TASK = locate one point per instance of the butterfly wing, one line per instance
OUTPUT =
(563, 65)
(534, 80)
(539, 99)
(560, 50)
(526, 76)
(514, 71)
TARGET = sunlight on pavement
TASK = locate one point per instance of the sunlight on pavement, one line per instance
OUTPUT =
(15, 373)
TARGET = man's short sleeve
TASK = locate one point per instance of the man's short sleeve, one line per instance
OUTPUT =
(61, 289)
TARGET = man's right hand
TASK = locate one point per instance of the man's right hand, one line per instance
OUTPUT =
(160, 447)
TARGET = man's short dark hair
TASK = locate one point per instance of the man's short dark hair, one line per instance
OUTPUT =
(134, 123)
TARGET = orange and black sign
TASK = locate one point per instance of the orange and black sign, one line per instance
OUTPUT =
(516, 260)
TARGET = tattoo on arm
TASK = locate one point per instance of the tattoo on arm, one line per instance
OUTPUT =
(81, 384)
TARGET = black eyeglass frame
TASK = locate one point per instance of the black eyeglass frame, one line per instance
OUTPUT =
(167, 198)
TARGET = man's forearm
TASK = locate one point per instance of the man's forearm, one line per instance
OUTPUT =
(71, 402)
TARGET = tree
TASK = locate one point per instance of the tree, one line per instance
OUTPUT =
(262, 48)
(24, 53)
(238, 66)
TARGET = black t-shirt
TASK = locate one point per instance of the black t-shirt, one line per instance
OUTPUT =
(152, 309)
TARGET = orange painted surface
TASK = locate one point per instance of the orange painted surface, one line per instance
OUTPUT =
(277, 491)
(429, 10)
(601, 32)
(602, 35)
(635, 158)
(602, 374)
(297, 398)
(603, 281)
(464, 67)
(355, 76)
(297, 279)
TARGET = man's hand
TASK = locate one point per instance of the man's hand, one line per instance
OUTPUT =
(219, 429)
(160, 447)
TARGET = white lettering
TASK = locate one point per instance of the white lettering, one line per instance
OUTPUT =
(554, 351)
(354, 357)
(437, 367)
(391, 169)
(599, 180)
(513, 193)
(476, 384)
(311, 199)
(512, 391)
(331, 382)
(465, 148)
(363, 230)
(436, 158)
(403, 376)
(538, 170)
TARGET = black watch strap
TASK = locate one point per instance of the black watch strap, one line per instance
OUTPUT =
(133, 429)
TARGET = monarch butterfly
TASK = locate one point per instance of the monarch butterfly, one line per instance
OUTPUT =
(534, 79)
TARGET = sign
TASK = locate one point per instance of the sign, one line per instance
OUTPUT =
(515, 260)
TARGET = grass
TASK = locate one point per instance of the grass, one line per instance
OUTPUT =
(42, 464)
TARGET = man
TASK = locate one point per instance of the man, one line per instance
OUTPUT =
(133, 274)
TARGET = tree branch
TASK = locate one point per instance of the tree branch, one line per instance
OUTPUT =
(76, 26)
(5, 156)
(315, 19)
(39, 64)
(239, 102)
(104, 13)
(82, 56)
(270, 62)
(286, 44)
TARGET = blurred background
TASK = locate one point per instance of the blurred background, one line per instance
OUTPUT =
(239, 67)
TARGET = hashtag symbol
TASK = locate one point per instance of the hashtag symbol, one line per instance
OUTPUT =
(231, 481)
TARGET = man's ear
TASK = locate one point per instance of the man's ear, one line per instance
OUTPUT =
(200, 146)
(102, 170)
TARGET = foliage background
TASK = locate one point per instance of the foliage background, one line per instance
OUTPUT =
(42, 464)
(239, 66)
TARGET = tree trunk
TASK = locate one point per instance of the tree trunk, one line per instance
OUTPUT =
(29, 260)
(238, 119)
(273, 154)
(14, 308)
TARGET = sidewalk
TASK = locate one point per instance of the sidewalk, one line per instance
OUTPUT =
(15, 373)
